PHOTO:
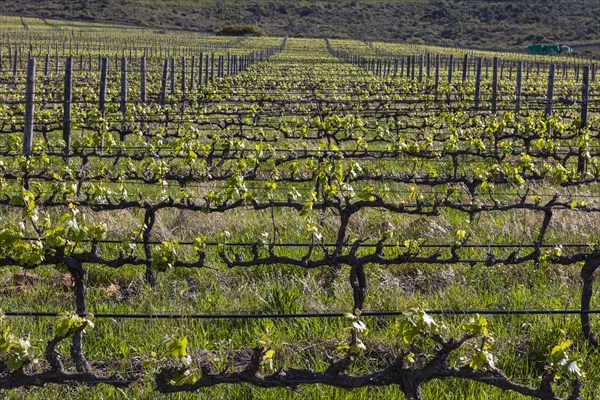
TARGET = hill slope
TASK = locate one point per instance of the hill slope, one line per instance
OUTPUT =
(480, 24)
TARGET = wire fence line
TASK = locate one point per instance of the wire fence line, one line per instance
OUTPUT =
(365, 313)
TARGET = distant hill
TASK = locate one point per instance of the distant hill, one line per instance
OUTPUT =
(466, 23)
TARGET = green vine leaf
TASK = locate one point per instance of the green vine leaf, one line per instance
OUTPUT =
(562, 363)
(69, 323)
(176, 347)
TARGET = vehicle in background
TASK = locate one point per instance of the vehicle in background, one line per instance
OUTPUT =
(549, 49)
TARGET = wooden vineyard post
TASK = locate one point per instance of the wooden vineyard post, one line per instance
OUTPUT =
(29, 108)
(103, 73)
(487, 68)
(585, 93)
(550, 91)
(103, 83)
(172, 77)
(123, 85)
(518, 86)
(183, 75)
(220, 67)
(450, 68)
(206, 70)
(163, 83)
(143, 80)
(46, 62)
(428, 65)
(465, 68)
(212, 68)
(495, 85)
(477, 83)
(193, 73)
(421, 60)
(401, 66)
(200, 66)
(67, 105)
(437, 75)
(14, 71)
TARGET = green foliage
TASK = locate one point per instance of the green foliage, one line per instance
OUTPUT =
(476, 326)
(357, 328)
(165, 255)
(14, 350)
(562, 363)
(177, 348)
(242, 30)
(482, 359)
(415, 323)
(69, 323)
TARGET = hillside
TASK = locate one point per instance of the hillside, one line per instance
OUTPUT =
(478, 24)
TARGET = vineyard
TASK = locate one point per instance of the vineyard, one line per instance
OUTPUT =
(187, 215)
